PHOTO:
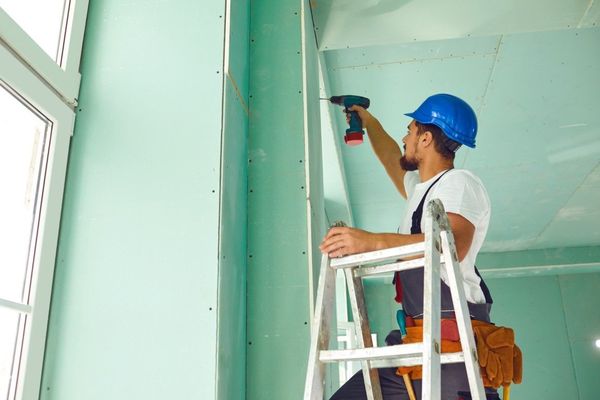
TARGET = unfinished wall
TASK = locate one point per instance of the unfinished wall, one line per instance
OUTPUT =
(136, 302)
(284, 192)
(231, 362)
(556, 322)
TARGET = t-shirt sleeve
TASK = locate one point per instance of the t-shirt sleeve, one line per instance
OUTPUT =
(463, 194)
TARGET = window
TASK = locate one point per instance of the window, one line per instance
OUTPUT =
(24, 138)
(39, 81)
(44, 21)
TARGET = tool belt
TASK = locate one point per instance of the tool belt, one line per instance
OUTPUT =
(499, 357)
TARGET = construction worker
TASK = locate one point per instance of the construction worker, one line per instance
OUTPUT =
(425, 171)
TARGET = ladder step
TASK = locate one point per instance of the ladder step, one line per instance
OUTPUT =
(445, 358)
(391, 254)
(382, 269)
(401, 355)
(372, 353)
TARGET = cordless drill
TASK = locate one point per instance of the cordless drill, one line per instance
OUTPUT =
(354, 134)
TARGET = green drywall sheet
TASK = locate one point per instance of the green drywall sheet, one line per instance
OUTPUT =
(581, 304)
(133, 313)
(318, 219)
(533, 307)
(556, 323)
(231, 361)
(232, 270)
(278, 232)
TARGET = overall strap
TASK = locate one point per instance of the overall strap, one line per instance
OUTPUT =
(415, 228)
(418, 213)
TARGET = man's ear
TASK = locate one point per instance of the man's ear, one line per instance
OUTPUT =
(426, 138)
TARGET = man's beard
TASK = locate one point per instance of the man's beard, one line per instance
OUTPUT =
(409, 165)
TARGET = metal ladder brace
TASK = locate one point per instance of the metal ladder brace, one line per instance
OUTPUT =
(428, 353)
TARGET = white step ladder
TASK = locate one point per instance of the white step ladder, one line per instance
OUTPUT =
(428, 353)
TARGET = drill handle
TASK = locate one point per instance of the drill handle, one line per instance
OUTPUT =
(354, 121)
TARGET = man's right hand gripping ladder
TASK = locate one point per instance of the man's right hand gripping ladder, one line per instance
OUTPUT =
(437, 248)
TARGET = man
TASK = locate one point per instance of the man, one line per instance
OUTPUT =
(425, 171)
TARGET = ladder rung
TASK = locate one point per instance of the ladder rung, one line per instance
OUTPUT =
(446, 358)
(382, 269)
(394, 253)
(372, 353)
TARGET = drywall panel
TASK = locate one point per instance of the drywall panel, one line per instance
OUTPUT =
(562, 260)
(279, 235)
(231, 360)
(581, 304)
(238, 51)
(533, 308)
(376, 22)
(231, 357)
(397, 81)
(579, 211)
(556, 322)
(534, 94)
(381, 307)
(313, 157)
(540, 107)
(134, 304)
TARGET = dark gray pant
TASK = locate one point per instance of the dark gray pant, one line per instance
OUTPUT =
(454, 379)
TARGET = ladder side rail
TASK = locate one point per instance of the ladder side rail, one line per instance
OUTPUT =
(463, 318)
(319, 338)
(363, 332)
(431, 384)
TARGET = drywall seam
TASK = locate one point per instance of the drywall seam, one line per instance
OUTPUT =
(237, 92)
(551, 221)
(480, 108)
(414, 60)
(564, 314)
(539, 270)
(527, 271)
(226, 45)
(334, 128)
(587, 10)
(307, 176)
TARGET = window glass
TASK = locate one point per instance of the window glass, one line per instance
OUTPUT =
(24, 137)
(10, 346)
(44, 22)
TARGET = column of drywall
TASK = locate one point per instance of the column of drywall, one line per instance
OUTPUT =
(283, 139)
(134, 309)
(231, 366)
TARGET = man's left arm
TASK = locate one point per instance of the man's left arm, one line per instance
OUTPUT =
(343, 241)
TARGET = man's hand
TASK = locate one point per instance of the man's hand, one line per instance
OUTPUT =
(344, 241)
(365, 116)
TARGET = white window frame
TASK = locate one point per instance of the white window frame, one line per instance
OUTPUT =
(64, 81)
(52, 90)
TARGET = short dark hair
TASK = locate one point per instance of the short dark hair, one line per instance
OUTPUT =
(443, 144)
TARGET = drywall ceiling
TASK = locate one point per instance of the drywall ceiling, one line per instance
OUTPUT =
(530, 69)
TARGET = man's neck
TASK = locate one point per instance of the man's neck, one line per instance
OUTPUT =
(430, 169)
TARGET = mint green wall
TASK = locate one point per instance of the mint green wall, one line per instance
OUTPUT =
(556, 322)
(231, 362)
(279, 236)
(135, 311)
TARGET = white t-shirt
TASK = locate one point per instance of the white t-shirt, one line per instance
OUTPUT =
(461, 193)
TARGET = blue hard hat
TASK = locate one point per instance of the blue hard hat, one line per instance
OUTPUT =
(451, 114)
